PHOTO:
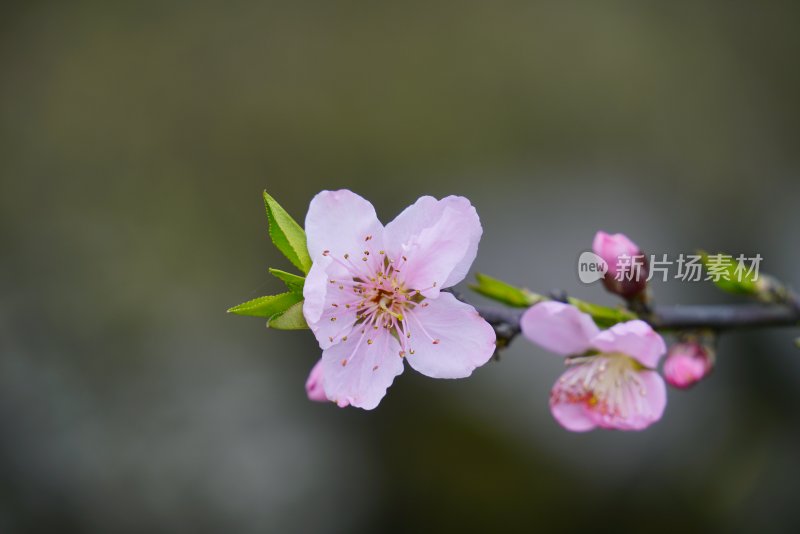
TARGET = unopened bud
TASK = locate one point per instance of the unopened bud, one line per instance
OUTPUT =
(627, 265)
(687, 363)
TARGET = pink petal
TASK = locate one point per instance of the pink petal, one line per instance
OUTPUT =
(315, 290)
(326, 304)
(448, 337)
(340, 221)
(358, 373)
(636, 339)
(438, 238)
(653, 402)
(314, 388)
(570, 396)
(559, 328)
(573, 417)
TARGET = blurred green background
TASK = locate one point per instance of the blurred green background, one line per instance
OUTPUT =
(135, 141)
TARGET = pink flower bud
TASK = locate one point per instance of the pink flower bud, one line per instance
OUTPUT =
(314, 388)
(627, 265)
(687, 363)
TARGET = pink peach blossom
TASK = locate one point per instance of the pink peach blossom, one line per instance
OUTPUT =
(686, 364)
(610, 382)
(373, 295)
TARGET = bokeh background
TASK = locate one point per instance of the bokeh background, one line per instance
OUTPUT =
(135, 141)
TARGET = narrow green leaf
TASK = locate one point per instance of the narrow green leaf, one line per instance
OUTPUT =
(291, 319)
(500, 291)
(727, 275)
(603, 316)
(287, 235)
(293, 282)
(267, 306)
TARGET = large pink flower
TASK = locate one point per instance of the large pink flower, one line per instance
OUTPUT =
(610, 382)
(372, 297)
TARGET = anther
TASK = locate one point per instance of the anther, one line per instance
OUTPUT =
(344, 362)
(436, 341)
(369, 342)
(402, 353)
(346, 256)
(333, 319)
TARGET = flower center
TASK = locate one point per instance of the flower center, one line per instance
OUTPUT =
(608, 384)
(375, 289)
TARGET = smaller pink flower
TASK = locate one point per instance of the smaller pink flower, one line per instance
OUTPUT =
(686, 364)
(627, 265)
(610, 382)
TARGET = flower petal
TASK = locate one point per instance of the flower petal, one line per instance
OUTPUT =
(329, 308)
(572, 398)
(642, 404)
(340, 221)
(315, 289)
(314, 388)
(358, 373)
(573, 417)
(636, 339)
(439, 238)
(653, 401)
(463, 339)
(559, 328)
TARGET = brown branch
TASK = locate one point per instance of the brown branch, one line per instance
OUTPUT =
(715, 317)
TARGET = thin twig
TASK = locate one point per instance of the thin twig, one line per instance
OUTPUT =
(715, 317)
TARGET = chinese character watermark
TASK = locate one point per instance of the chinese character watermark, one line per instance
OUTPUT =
(686, 268)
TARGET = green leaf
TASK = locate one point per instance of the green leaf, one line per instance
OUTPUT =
(727, 275)
(267, 306)
(603, 316)
(293, 282)
(500, 291)
(287, 235)
(291, 319)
